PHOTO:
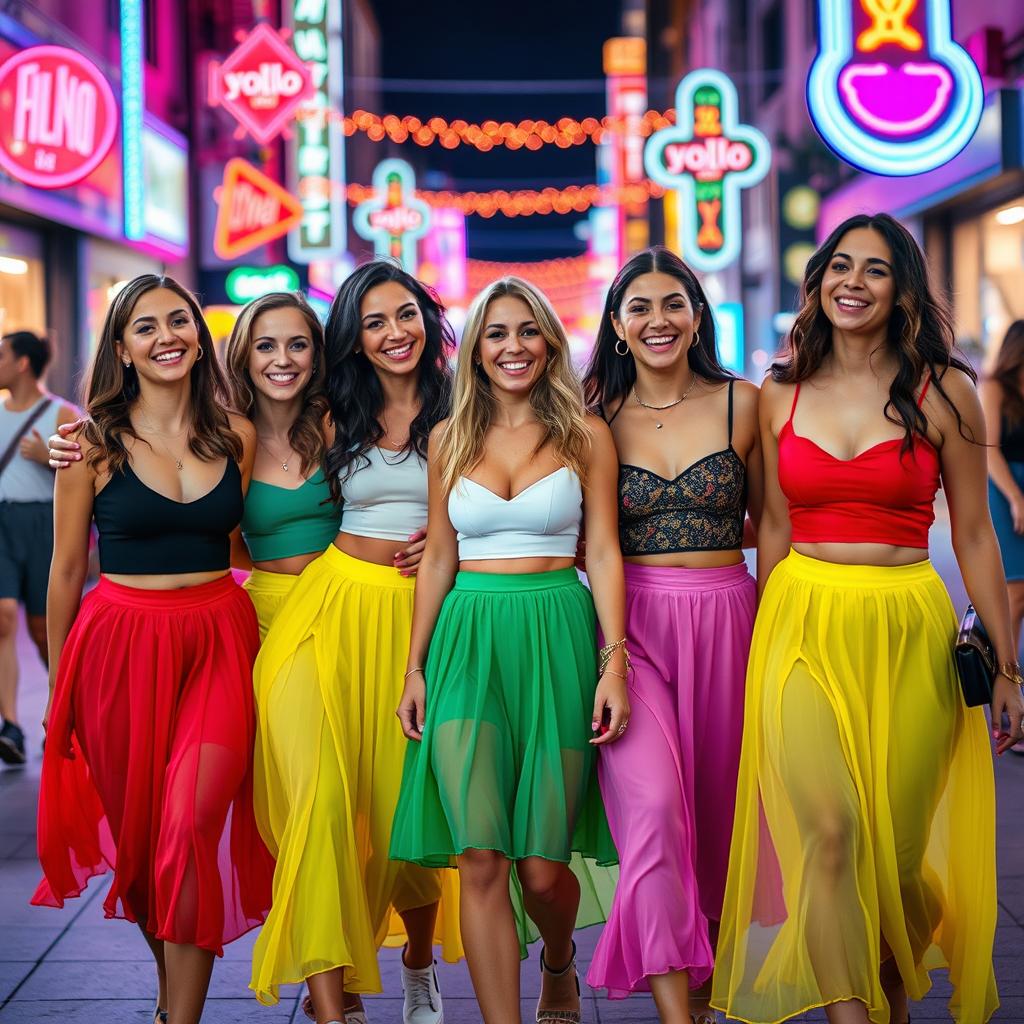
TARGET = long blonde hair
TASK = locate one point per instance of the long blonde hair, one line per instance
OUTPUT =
(556, 399)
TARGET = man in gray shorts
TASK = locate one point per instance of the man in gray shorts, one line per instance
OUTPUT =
(27, 415)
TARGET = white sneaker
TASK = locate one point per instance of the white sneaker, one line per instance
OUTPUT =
(422, 996)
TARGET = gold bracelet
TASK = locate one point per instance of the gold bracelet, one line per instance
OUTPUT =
(612, 672)
(412, 672)
(606, 653)
(1011, 669)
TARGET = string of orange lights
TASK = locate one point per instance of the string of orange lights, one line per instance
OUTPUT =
(527, 202)
(571, 272)
(528, 133)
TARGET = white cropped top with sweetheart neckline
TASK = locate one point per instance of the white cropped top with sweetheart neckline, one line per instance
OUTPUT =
(542, 520)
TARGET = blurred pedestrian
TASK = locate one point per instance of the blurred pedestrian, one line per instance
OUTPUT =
(28, 414)
(1002, 398)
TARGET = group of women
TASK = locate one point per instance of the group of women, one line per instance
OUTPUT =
(800, 805)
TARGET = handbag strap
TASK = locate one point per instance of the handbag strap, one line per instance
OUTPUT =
(30, 421)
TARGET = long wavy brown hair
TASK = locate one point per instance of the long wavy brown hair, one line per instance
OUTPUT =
(556, 399)
(111, 388)
(306, 435)
(920, 330)
(1008, 371)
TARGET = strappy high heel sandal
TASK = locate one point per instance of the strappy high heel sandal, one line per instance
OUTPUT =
(159, 1016)
(707, 1016)
(559, 1016)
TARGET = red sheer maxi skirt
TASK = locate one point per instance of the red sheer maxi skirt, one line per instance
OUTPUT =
(148, 764)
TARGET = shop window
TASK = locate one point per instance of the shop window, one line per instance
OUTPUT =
(22, 283)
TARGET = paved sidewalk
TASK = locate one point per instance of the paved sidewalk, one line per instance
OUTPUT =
(72, 966)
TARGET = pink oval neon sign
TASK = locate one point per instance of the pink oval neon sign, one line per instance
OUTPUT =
(58, 116)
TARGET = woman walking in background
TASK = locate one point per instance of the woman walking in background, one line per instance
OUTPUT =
(504, 698)
(329, 751)
(690, 466)
(1002, 398)
(861, 765)
(150, 720)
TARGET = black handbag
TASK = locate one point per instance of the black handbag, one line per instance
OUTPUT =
(975, 660)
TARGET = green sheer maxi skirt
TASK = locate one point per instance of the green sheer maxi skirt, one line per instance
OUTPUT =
(505, 762)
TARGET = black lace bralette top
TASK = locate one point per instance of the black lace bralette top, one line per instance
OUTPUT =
(702, 509)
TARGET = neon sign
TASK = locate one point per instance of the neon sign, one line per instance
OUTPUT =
(316, 158)
(708, 157)
(890, 91)
(246, 283)
(252, 210)
(393, 220)
(262, 84)
(60, 117)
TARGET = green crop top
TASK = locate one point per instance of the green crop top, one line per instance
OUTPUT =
(280, 522)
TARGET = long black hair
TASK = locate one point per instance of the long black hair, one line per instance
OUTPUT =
(353, 388)
(920, 330)
(609, 375)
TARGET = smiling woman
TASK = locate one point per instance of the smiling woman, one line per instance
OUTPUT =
(147, 767)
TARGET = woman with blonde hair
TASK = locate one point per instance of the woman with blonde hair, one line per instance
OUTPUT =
(504, 699)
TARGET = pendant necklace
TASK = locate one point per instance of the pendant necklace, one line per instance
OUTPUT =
(276, 458)
(178, 464)
(660, 408)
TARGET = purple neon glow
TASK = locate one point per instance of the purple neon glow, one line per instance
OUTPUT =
(896, 101)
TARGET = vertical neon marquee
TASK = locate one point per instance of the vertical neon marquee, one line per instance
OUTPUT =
(317, 153)
(394, 219)
(133, 104)
(708, 158)
(890, 91)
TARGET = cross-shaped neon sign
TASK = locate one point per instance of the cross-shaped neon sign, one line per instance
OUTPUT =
(890, 91)
(708, 157)
(394, 219)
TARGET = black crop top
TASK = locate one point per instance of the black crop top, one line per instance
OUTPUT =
(142, 531)
(702, 509)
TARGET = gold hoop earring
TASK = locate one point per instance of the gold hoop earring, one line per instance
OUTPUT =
(621, 341)
(696, 337)
(200, 356)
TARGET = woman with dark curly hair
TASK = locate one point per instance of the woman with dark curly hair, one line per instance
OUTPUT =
(329, 674)
(148, 765)
(865, 782)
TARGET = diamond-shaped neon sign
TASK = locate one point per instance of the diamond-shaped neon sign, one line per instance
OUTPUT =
(262, 84)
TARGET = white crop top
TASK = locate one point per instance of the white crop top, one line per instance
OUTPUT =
(386, 499)
(542, 520)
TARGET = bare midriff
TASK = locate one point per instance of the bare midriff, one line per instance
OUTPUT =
(862, 554)
(689, 559)
(513, 566)
(164, 581)
(290, 566)
(370, 549)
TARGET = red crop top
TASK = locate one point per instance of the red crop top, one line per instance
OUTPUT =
(878, 497)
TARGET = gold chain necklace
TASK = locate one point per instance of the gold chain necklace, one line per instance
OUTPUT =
(284, 462)
(179, 465)
(661, 408)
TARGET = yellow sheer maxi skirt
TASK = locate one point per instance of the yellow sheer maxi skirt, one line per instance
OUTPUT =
(268, 591)
(865, 813)
(328, 765)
